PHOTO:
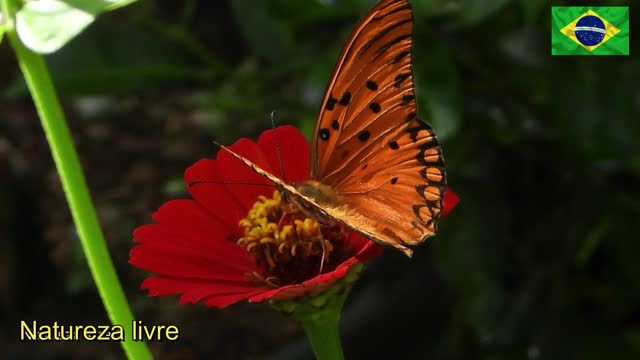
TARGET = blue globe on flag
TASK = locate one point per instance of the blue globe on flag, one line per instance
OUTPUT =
(590, 30)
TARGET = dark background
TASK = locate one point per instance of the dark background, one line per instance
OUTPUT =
(539, 261)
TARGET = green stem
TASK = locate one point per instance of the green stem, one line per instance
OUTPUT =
(323, 335)
(320, 315)
(45, 99)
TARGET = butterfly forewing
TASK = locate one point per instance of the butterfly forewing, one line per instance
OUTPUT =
(371, 79)
(369, 144)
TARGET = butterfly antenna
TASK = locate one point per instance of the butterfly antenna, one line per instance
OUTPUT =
(276, 140)
(220, 182)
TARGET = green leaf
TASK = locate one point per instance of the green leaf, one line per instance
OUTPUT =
(2, 27)
(115, 59)
(44, 26)
(115, 4)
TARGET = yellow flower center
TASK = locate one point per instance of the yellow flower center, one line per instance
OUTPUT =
(289, 249)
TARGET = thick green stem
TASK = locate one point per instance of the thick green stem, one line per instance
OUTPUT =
(46, 102)
(323, 335)
(320, 315)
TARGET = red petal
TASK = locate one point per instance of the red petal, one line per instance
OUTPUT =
(371, 250)
(235, 171)
(190, 214)
(212, 194)
(309, 287)
(286, 147)
(221, 301)
(194, 290)
(188, 242)
(449, 202)
(363, 248)
(167, 260)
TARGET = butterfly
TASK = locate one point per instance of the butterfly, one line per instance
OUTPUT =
(375, 167)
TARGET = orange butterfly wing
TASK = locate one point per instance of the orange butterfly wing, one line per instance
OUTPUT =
(364, 79)
(341, 212)
(384, 165)
(368, 144)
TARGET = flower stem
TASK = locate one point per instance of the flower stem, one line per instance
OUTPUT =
(320, 315)
(324, 337)
(52, 118)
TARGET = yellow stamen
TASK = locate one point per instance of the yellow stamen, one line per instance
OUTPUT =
(288, 249)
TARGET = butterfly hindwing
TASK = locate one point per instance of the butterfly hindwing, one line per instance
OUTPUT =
(400, 187)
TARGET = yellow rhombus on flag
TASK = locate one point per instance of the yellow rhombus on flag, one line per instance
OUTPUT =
(570, 30)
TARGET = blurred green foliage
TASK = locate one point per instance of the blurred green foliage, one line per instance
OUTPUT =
(541, 258)
(47, 25)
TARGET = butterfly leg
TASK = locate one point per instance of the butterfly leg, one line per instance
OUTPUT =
(327, 248)
(324, 252)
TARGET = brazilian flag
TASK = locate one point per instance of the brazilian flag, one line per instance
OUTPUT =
(597, 30)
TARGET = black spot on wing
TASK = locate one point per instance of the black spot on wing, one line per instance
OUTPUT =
(400, 78)
(323, 134)
(402, 8)
(401, 55)
(375, 107)
(419, 228)
(331, 103)
(364, 135)
(415, 130)
(372, 85)
(406, 99)
(335, 125)
(345, 99)
(386, 46)
(380, 35)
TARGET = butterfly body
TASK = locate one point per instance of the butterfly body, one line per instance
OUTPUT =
(375, 167)
(322, 196)
(322, 193)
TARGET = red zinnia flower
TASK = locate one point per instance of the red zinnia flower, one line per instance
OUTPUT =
(234, 242)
